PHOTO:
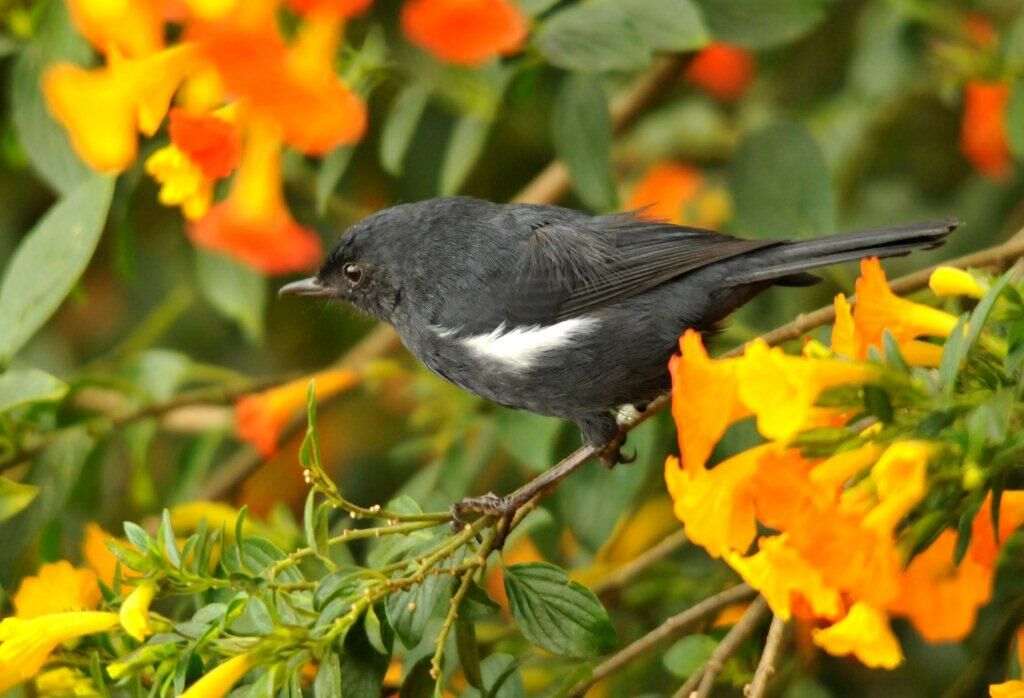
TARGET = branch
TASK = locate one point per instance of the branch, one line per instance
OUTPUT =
(638, 565)
(726, 649)
(769, 658)
(670, 629)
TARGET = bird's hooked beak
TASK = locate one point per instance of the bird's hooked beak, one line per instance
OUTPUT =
(307, 287)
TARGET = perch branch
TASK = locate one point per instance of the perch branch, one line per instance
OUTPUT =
(769, 659)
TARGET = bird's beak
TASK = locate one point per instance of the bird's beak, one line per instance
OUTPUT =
(306, 287)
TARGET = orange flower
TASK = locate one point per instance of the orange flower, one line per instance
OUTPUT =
(211, 142)
(134, 28)
(295, 88)
(98, 556)
(678, 194)
(464, 32)
(942, 599)
(58, 588)
(722, 70)
(980, 31)
(984, 546)
(717, 506)
(782, 574)
(253, 225)
(705, 399)
(262, 416)
(864, 633)
(899, 479)
(983, 138)
(878, 310)
(103, 109)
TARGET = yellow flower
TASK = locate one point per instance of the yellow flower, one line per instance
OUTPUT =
(65, 683)
(219, 681)
(182, 182)
(899, 479)
(262, 416)
(950, 281)
(134, 27)
(135, 610)
(864, 633)
(103, 108)
(26, 644)
(879, 310)
(779, 572)
(781, 390)
(1007, 689)
(705, 399)
(57, 588)
(833, 472)
(717, 506)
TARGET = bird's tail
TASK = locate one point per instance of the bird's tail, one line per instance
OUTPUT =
(787, 263)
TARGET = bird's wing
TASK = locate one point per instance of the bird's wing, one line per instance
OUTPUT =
(566, 269)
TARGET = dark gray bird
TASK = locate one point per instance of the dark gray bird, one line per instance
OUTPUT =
(560, 312)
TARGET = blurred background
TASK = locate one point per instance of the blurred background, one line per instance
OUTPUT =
(785, 118)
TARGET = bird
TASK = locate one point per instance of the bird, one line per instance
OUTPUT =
(560, 312)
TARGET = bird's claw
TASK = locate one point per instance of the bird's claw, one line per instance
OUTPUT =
(611, 455)
(488, 504)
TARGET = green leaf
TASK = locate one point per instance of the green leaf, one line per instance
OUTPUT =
(592, 37)
(235, 291)
(556, 613)
(581, 128)
(26, 386)
(667, 25)
(781, 184)
(501, 677)
(953, 352)
(527, 437)
(400, 125)
(14, 497)
(327, 683)
(689, 654)
(49, 260)
(418, 683)
(45, 142)
(764, 23)
(409, 610)
(464, 147)
(332, 168)
(362, 666)
(54, 473)
(1015, 120)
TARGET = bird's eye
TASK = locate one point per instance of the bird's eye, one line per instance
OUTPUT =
(353, 272)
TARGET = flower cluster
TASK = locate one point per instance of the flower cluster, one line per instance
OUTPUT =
(234, 88)
(839, 487)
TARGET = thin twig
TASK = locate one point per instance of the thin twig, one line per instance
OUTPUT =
(769, 659)
(638, 565)
(733, 640)
(671, 628)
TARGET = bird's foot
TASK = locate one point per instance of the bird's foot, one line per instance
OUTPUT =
(611, 454)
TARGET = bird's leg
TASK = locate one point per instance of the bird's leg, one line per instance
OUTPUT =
(600, 429)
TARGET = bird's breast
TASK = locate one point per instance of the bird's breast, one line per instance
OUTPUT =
(518, 349)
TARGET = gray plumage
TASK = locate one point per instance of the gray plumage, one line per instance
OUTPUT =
(559, 312)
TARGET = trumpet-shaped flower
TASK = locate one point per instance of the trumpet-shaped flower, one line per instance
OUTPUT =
(252, 224)
(25, 645)
(705, 399)
(864, 633)
(939, 597)
(221, 679)
(98, 556)
(781, 390)
(983, 139)
(262, 416)
(133, 27)
(103, 109)
(987, 540)
(65, 682)
(899, 479)
(57, 588)
(879, 310)
(1007, 689)
(679, 194)
(464, 32)
(950, 281)
(134, 613)
(783, 575)
(717, 506)
(211, 141)
(722, 70)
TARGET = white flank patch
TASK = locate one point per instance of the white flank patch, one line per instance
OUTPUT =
(518, 347)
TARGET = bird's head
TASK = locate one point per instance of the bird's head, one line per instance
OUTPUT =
(356, 271)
